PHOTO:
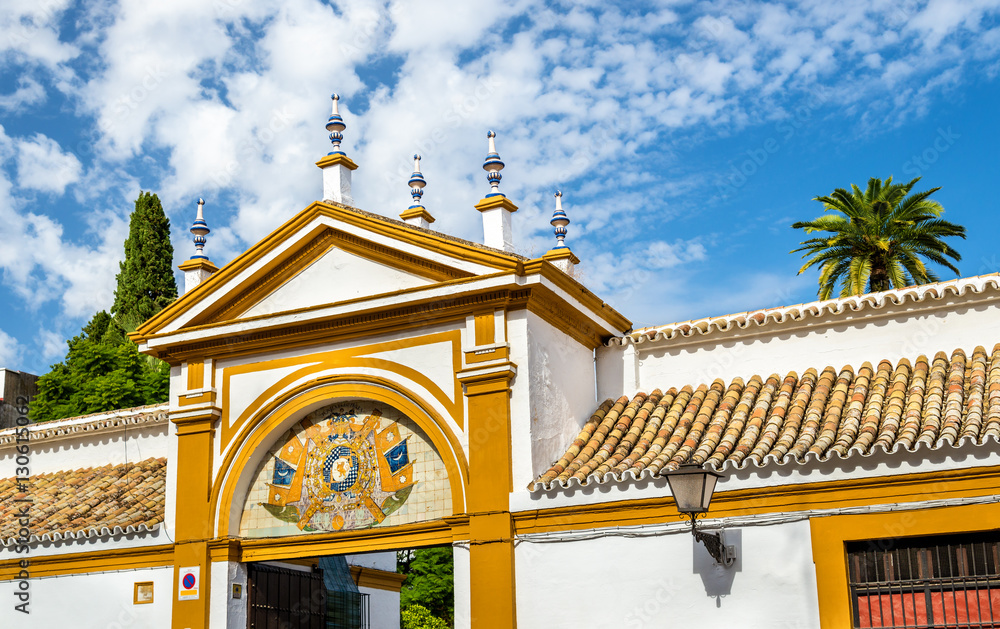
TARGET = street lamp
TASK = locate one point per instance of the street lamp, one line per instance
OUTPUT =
(692, 488)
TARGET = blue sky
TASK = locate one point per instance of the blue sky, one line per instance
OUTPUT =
(686, 137)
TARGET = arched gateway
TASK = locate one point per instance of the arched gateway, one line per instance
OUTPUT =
(347, 386)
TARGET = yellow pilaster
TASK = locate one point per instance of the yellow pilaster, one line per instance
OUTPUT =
(193, 521)
(490, 524)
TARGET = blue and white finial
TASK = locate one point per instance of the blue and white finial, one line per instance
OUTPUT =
(417, 183)
(493, 166)
(559, 222)
(200, 229)
(335, 125)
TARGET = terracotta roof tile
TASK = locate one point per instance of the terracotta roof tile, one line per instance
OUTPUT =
(818, 415)
(108, 500)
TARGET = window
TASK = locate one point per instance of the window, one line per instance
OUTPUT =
(926, 582)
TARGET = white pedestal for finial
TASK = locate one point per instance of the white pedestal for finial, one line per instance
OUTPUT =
(337, 178)
(196, 271)
(496, 213)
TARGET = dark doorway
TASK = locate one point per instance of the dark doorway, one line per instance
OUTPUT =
(280, 598)
(323, 597)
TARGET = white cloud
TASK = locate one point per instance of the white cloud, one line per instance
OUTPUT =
(53, 345)
(42, 165)
(28, 92)
(10, 351)
(227, 100)
(30, 31)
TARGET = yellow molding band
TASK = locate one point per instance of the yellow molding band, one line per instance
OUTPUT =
(829, 535)
(315, 363)
(377, 579)
(964, 483)
(429, 533)
(94, 561)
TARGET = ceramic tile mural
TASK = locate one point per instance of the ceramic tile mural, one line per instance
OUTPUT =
(351, 465)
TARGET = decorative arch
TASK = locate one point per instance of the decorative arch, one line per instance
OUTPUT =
(273, 419)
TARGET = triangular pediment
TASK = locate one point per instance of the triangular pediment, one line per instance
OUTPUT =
(335, 276)
(328, 254)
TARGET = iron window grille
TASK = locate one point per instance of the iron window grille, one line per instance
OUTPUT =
(948, 581)
(347, 610)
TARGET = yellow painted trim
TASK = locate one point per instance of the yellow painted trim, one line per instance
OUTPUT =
(316, 363)
(965, 483)
(416, 212)
(196, 375)
(135, 592)
(495, 202)
(413, 315)
(421, 238)
(333, 160)
(560, 254)
(377, 579)
(581, 293)
(429, 533)
(448, 447)
(499, 353)
(205, 397)
(829, 535)
(485, 328)
(94, 561)
(196, 264)
(283, 269)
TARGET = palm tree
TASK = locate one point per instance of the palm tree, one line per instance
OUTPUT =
(877, 238)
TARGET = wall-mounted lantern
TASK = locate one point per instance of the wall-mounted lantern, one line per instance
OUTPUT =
(692, 488)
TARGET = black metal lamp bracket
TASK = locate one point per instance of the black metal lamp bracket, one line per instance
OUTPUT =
(714, 544)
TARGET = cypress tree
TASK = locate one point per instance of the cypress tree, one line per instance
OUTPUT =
(146, 282)
(103, 369)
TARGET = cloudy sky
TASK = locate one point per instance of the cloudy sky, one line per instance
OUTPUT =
(686, 137)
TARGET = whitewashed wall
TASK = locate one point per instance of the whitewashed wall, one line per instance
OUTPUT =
(90, 449)
(91, 601)
(669, 581)
(383, 606)
(553, 394)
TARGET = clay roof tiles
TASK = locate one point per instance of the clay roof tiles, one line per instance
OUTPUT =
(95, 501)
(931, 402)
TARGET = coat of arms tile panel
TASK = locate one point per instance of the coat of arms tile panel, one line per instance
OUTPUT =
(350, 465)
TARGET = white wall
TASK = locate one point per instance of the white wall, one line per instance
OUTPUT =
(463, 592)
(383, 606)
(91, 601)
(553, 394)
(107, 447)
(669, 581)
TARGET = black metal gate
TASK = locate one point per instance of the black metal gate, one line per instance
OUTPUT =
(285, 599)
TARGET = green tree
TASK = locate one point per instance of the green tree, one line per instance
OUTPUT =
(430, 581)
(419, 617)
(146, 282)
(876, 238)
(103, 369)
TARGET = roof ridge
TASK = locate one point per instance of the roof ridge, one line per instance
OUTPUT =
(94, 422)
(798, 312)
